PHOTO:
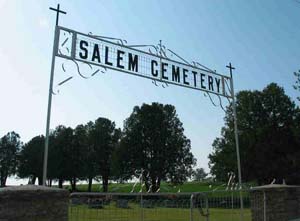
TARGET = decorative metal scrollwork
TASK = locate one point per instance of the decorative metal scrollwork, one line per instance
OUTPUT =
(65, 43)
(159, 50)
(117, 40)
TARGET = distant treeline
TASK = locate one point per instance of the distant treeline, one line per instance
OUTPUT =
(151, 146)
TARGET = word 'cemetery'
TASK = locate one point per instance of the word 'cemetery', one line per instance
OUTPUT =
(130, 60)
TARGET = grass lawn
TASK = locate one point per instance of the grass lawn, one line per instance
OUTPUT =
(165, 187)
(213, 189)
(134, 213)
(111, 212)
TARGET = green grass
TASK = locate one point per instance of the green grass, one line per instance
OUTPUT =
(213, 189)
(134, 213)
(165, 187)
(112, 213)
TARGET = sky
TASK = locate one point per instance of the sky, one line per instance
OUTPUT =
(260, 39)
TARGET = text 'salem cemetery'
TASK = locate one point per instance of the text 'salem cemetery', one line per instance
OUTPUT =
(140, 63)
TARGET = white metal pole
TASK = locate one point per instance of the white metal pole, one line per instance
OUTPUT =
(191, 207)
(49, 106)
(142, 210)
(237, 144)
(265, 207)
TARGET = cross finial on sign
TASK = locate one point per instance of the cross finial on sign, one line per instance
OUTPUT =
(230, 68)
(57, 13)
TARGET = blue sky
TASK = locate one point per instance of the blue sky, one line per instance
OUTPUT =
(260, 38)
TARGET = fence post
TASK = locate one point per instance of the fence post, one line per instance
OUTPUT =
(265, 206)
(207, 207)
(191, 207)
(142, 210)
(232, 204)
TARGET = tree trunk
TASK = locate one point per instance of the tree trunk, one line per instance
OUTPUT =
(3, 181)
(153, 185)
(73, 184)
(105, 183)
(3, 177)
(40, 179)
(90, 184)
(60, 183)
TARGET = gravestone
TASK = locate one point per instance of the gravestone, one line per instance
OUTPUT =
(122, 204)
(29, 203)
(95, 203)
(275, 202)
(147, 204)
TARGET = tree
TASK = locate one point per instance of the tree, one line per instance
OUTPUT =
(61, 151)
(153, 140)
(90, 165)
(77, 155)
(268, 142)
(31, 160)
(121, 170)
(54, 159)
(9, 148)
(103, 140)
(296, 86)
(199, 174)
(67, 155)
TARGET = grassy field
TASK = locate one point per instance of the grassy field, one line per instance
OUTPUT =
(165, 187)
(134, 213)
(216, 195)
(213, 189)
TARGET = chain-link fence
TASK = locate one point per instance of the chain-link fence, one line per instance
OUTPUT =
(225, 206)
(212, 206)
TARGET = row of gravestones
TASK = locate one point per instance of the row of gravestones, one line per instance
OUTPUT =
(99, 203)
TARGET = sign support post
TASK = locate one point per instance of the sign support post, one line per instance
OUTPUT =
(56, 36)
(236, 141)
(156, 64)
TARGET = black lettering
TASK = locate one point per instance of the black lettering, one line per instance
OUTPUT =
(218, 84)
(202, 80)
(106, 56)
(175, 74)
(133, 62)
(195, 74)
(185, 76)
(164, 69)
(210, 83)
(154, 73)
(120, 58)
(85, 54)
(96, 53)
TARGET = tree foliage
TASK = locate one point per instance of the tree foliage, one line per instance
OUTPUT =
(90, 165)
(153, 140)
(296, 86)
(31, 160)
(267, 122)
(104, 138)
(62, 149)
(9, 147)
(199, 174)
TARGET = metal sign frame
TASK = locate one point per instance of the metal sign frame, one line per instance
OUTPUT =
(161, 55)
(213, 78)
